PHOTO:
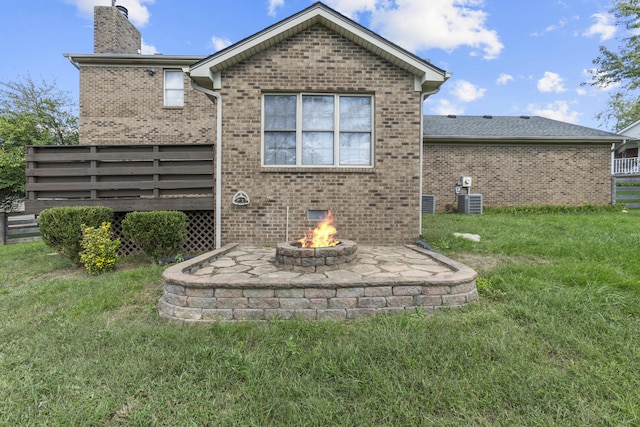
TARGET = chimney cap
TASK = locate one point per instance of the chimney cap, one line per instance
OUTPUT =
(123, 10)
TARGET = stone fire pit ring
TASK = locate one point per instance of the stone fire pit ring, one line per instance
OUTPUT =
(291, 257)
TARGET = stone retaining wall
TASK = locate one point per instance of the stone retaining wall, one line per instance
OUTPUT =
(196, 299)
(212, 304)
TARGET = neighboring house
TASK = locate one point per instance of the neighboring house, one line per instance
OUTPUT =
(311, 114)
(514, 161)
(624, 160)
(629, 147)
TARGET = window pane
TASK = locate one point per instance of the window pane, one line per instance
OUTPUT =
(317, 112)
(355, 149)
(280, 112)
(355, 113)
(173, 80)
(173, 88)
(173, 98)
(317, 148)
(280, 148)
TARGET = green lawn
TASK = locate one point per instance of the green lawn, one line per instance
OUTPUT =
(554, 340)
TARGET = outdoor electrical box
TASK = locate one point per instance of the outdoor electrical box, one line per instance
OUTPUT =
(466, 181)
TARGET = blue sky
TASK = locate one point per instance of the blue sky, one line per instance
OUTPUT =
(507, 57)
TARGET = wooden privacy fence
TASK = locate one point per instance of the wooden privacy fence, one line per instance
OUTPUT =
(123, 177)
(626, 191)
(17, 228)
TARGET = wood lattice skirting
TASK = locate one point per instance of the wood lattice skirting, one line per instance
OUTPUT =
(200, 239)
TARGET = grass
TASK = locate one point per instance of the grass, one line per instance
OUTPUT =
(554, 340)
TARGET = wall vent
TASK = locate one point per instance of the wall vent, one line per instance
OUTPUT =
(470, 204)
(428, 204)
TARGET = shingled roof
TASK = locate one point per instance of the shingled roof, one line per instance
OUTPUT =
(510, 128)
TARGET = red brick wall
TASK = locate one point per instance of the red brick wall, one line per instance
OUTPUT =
(514, 175)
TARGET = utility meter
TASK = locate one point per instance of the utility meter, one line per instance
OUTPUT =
(466, 181)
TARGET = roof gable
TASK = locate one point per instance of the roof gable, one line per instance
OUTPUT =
(207, 71)
(510, 128)
(633, 130)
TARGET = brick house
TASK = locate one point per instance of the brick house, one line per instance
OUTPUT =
(314, 113)
(516, 161)
(318, 113)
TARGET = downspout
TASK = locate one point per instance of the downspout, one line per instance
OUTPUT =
(423, 97)
(218, 205)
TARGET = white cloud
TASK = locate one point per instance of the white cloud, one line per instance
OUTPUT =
(604, 27)
(351, 8)
(504, 78)
(419, 25)
(273, 5)
(551, 28)
(465, 91)
(219, 43)
(445, 107)
(558, 110)
(138, 13)
(557, 26)
(551, 82)
(148, 49)
(581, 91)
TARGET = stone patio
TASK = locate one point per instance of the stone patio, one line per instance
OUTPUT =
(242, 282)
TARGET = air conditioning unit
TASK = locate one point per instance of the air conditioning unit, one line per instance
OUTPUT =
(428, 204)
(470, 204)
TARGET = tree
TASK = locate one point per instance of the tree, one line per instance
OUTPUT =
(621, 69)
(31, 113)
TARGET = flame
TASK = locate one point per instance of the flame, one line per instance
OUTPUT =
(321, 236)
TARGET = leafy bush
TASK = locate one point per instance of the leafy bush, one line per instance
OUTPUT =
(158, 233)
(61, 228)
(100, 252)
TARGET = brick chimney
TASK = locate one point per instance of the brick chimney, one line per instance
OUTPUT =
(112, 31)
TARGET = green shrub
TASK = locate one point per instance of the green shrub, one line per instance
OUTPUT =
(61, 228)
(158, 233)
(99, 251)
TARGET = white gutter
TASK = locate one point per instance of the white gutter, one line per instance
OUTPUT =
(423, 97)
(73, 62)
(218, 206)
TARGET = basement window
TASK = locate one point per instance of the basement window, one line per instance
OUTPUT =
(173, 88)
(317, 215)
(317, 130)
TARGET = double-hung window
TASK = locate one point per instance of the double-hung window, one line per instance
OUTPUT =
(318, 130)
(173, 88)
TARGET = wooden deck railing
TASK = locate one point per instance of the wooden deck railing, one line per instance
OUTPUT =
(122, 177)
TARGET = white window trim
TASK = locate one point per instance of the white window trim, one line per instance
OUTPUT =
(336, 140)
(164, 88)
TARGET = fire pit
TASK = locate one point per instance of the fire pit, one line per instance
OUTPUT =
(317, 251)
(291, 257)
